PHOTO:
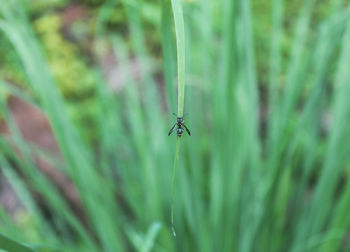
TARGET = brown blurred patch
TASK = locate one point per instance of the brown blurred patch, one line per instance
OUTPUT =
(33, 125)
(73, 13)
(8, 198)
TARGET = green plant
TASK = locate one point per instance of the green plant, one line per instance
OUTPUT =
(263, 170)
(9, 245)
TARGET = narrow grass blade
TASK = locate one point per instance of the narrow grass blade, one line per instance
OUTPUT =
(12, 246)
(173, 183)
(180, 48)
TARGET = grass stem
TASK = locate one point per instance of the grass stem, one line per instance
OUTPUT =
(180, 46)
(173, 184)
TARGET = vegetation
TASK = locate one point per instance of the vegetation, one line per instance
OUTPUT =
(266, 167)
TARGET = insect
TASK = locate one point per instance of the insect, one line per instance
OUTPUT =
(180, 126)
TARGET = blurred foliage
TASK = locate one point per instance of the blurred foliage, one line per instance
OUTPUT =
(262, 30)
(26, 223)
(71, 72)
(39, 7)
(66, 58)
(10, 64)
(70, 67)
(231, 197)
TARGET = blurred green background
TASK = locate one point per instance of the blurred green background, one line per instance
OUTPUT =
(87, 92)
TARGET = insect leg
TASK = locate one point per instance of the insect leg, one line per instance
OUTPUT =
(172, 129)
(188, 131)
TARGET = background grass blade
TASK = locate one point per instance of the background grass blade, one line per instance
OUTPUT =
(10, 245)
